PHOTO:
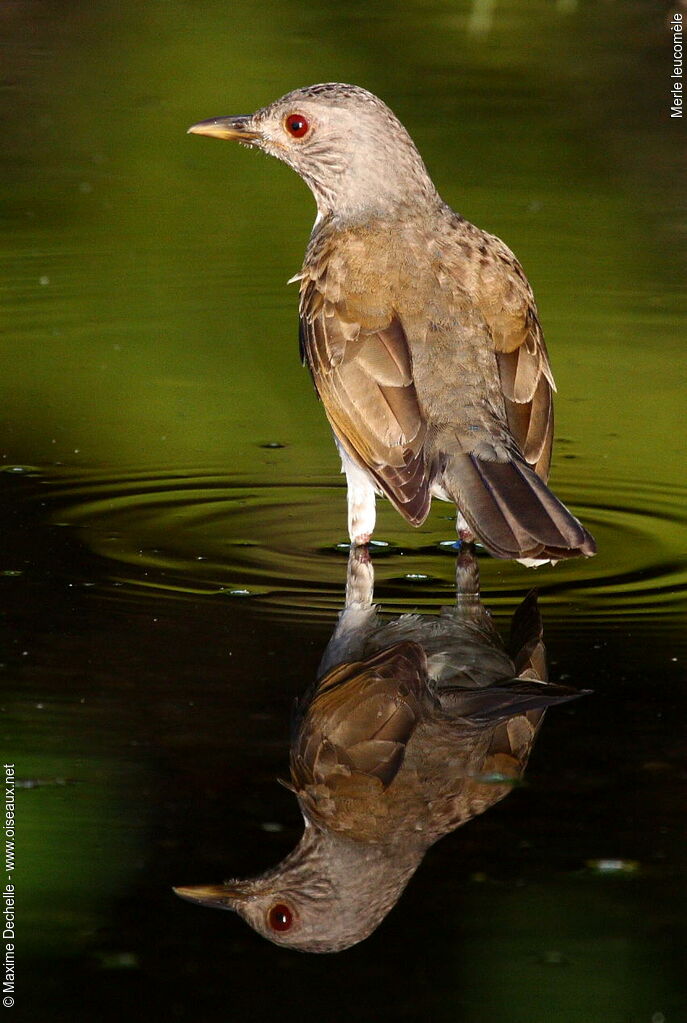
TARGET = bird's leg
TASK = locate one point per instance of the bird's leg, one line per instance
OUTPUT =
(467, 569)
(359, 616)
(361, 501)
(360, 580)
(361, 514)
(467, 577)
(465, 534)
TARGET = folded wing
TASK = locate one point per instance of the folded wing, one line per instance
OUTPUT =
(363, 375)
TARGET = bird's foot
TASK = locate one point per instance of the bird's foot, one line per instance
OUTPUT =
(465, 542)
(465, 534)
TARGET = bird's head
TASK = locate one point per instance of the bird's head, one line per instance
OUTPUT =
(327, 895)
(345, 143)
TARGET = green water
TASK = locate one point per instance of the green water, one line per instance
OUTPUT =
(171, 508)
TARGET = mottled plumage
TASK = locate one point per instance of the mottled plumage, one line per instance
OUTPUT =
(420, 330)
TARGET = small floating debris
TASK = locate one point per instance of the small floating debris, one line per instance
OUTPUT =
(40, 783)
(236, 593)
(117, 960)
(609, 866)
(272, 444)
(552, 957)
(416, 576)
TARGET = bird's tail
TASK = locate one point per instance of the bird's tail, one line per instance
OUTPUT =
(512, 511)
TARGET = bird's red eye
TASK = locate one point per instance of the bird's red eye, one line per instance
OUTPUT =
(280, 917)
(297, 125)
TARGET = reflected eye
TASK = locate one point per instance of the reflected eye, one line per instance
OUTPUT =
(280, 917)
(297, 125)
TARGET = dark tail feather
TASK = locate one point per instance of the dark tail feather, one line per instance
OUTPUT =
(526, 645)
(512, 511)
(498, 703)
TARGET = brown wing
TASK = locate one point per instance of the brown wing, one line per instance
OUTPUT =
(527, 388)
(508, 306)
(363, 375)
(353, 738)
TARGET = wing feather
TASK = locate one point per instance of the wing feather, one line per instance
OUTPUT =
(352, 738)
(364, 377)
(524, 369)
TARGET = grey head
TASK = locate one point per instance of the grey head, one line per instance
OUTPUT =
(329, 893)
(345, 143)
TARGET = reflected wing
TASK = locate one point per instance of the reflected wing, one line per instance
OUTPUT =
(363, 375)
(353, 737)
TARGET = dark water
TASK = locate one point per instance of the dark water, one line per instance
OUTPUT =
(172, 515)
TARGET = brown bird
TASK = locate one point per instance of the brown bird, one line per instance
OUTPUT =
(420, 330)
(415, 726)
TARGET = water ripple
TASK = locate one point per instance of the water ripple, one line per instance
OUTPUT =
(283, 544)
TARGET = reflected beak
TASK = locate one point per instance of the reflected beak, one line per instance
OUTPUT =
(216, 896)
(237, 128)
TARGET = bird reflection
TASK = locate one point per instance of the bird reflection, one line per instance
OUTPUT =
(413, 726)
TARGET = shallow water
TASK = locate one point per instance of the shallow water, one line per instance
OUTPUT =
(173, 522)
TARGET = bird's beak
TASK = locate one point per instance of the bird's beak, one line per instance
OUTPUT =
(216, 896)
(239, 129)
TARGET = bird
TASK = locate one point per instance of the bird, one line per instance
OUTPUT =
(420, 330)
(413, 726)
